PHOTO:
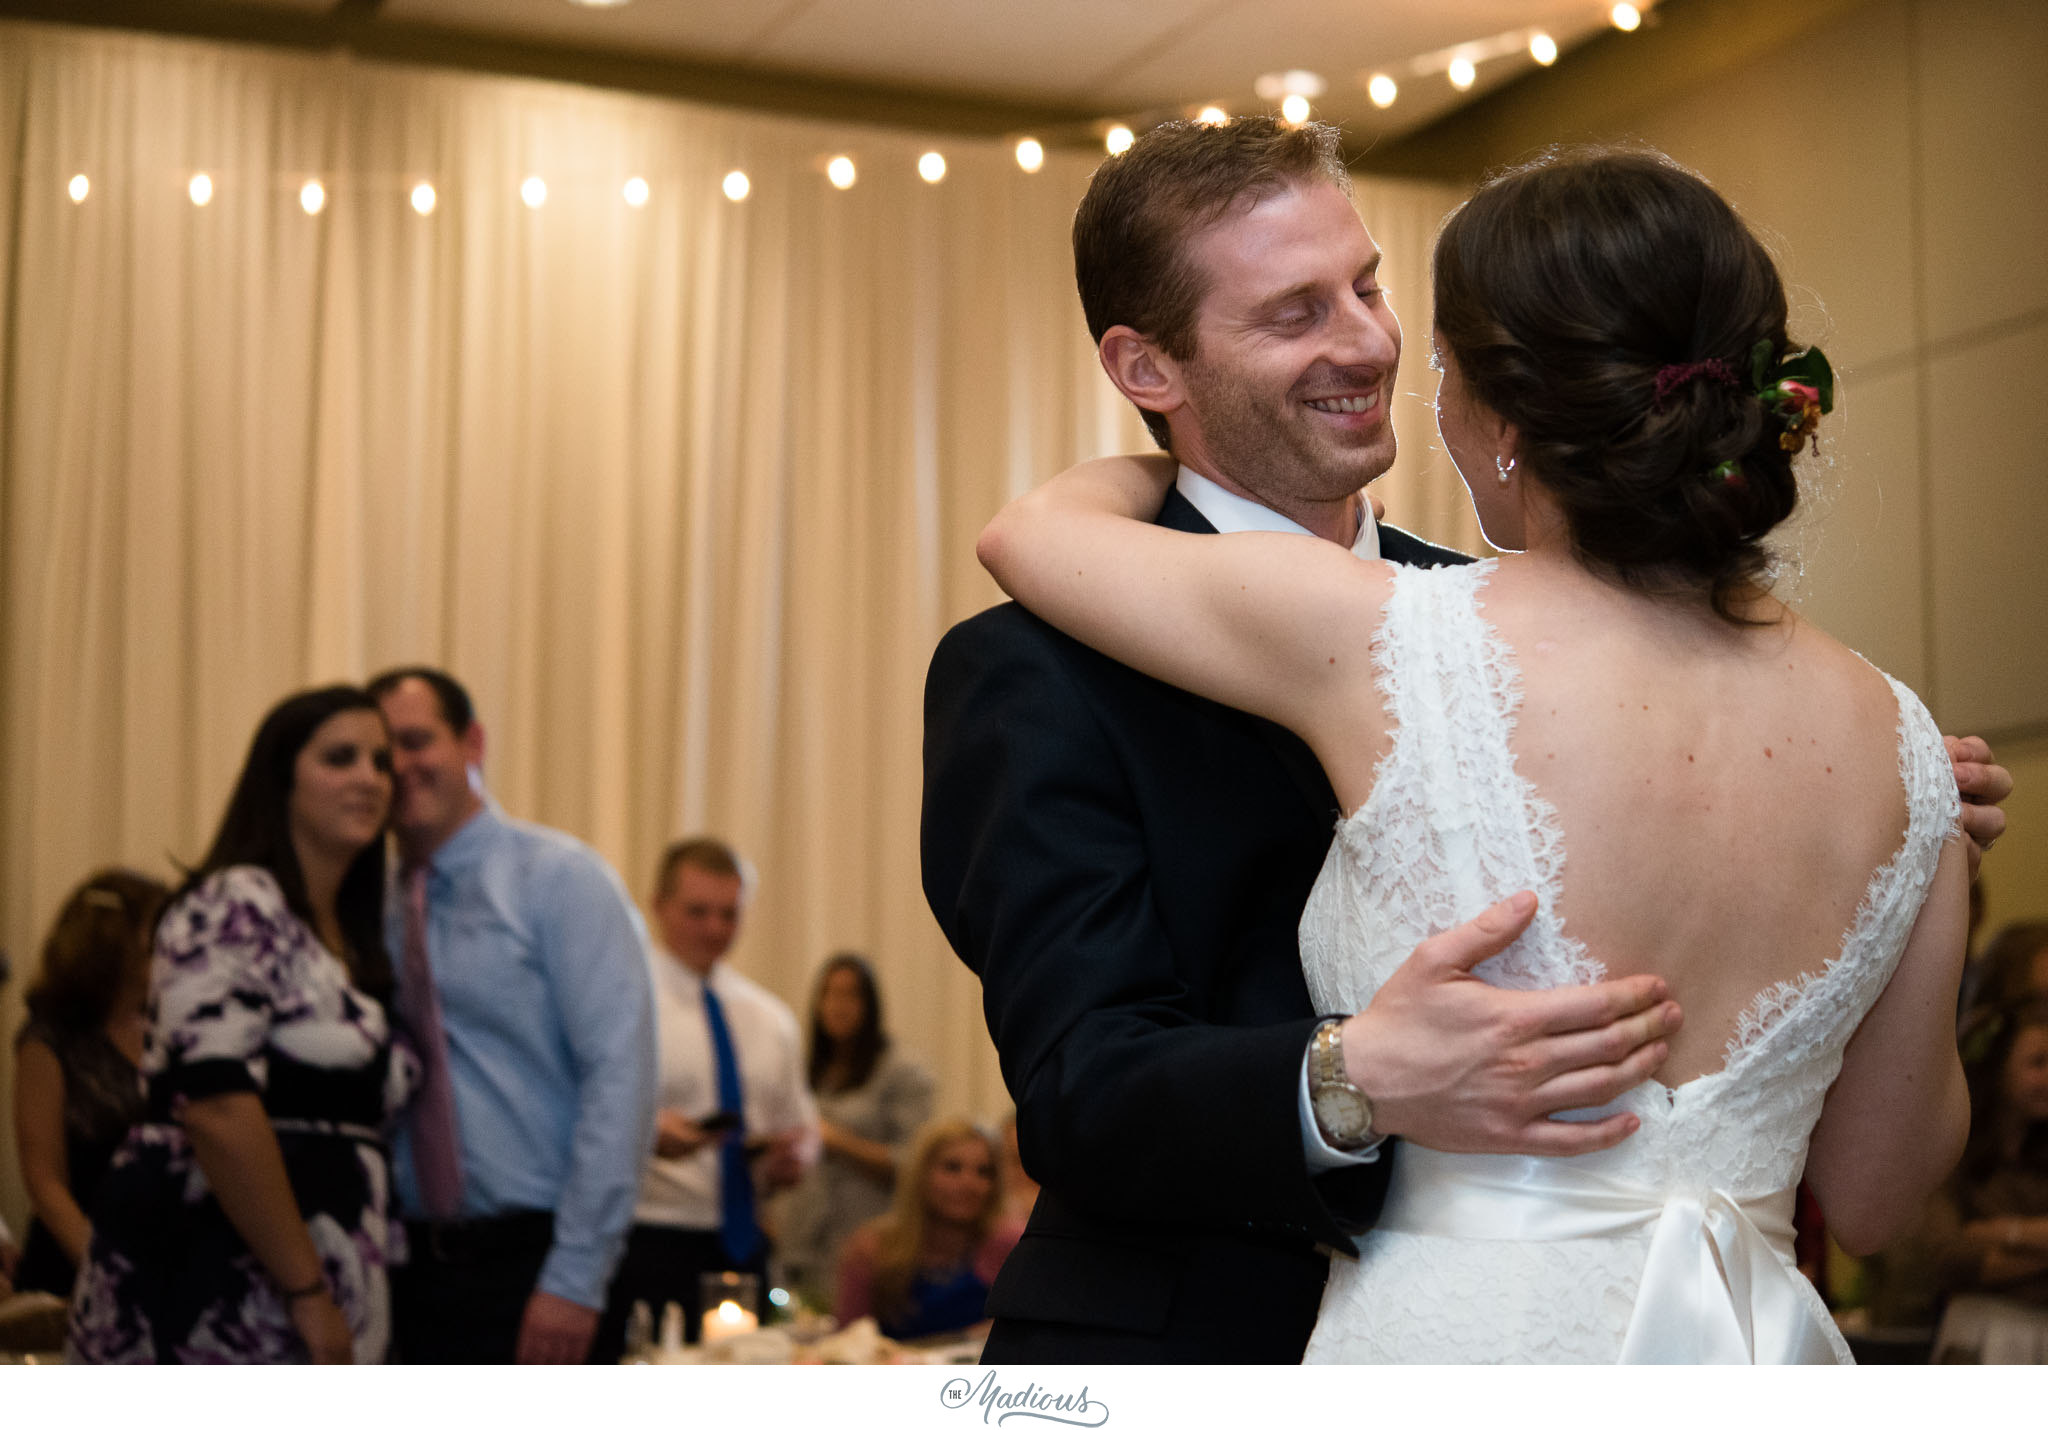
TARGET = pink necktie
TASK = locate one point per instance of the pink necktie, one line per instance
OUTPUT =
(436, 1144)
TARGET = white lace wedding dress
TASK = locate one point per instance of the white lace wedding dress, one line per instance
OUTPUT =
(1674, 1245)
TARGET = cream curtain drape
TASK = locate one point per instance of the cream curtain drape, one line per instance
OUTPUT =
(686, 493)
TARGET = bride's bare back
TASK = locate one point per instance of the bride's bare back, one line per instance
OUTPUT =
(1725, 793)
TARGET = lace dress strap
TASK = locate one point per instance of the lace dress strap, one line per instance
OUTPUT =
(1821, 1010)
(1453, 690)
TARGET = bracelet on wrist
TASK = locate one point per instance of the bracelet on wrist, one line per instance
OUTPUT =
(317, 1286)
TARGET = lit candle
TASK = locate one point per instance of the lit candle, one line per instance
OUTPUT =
(730, 1319)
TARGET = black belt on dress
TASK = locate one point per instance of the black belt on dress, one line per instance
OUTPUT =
(463, 1243)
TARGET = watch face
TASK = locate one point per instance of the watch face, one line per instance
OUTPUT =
(1344, 1115)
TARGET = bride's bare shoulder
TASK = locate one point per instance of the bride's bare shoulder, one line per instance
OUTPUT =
(1842, 673)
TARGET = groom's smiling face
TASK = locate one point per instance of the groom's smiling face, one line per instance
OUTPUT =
(1287, 394)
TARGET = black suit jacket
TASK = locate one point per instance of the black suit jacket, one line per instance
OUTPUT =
(1124, 865)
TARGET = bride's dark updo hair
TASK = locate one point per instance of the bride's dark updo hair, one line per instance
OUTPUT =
(1563, 289)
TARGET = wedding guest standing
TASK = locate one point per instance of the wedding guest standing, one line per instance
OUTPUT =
(871, 1101)
(925, 1268)
(76, 1091)
(245, 1217)
(524, 982)
(735, 1118)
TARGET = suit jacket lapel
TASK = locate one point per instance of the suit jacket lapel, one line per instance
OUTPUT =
(1179, 514)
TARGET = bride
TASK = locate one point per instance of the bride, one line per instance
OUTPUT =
(1619, 716)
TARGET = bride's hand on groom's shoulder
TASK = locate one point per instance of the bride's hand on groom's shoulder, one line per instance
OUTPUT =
(1984, 785)
(1453, 1063)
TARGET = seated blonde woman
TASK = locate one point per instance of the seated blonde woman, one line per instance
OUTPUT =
(924, 1268)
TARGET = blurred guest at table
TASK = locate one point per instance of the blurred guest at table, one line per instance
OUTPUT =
(523, 982)
(1904, 1287)
(871, 1102)
(245, 1217)
(2012, 968)
(76, 1089)
(734, 1118)
(925, 1267)
(1992, 1223)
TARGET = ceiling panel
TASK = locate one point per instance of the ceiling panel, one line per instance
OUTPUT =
(696, 29)
(1048, 50)
(301, 6)
(1097, 58)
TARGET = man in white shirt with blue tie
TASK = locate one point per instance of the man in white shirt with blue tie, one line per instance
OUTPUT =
(735, 1119)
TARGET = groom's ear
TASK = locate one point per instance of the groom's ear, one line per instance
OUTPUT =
(1140, 370)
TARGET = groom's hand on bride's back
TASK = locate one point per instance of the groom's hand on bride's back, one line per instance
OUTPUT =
(1452, 1062)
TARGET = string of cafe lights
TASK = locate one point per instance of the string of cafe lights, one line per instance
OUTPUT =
(839, 170)
(1294, 91)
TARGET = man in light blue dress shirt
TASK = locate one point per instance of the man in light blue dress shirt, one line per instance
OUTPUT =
(539, 966)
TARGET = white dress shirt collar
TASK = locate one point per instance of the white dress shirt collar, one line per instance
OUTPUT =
(1227, 511)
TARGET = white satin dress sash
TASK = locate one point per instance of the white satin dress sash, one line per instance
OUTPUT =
(1719, 1283)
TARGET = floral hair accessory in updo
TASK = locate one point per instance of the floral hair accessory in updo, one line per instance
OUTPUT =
(1674, 375)
(1798, 390)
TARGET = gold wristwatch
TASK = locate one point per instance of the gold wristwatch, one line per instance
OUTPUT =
(1343, 1111)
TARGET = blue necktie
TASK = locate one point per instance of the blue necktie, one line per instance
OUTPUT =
(737, 1229)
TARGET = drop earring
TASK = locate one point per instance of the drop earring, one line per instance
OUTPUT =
(1505, 466)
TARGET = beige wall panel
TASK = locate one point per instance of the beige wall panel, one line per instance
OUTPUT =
(1984, 127)
(1856, 539)
(1988, 460)
(1810, 144)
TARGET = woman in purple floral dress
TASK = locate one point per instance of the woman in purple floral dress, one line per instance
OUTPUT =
(246, 1219)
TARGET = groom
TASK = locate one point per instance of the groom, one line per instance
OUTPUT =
(1124, 864)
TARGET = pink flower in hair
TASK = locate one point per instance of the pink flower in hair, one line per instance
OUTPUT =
(1799, 405)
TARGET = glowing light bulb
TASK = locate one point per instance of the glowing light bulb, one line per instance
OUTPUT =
(1625, 16)
(737, 186)
(1382, 89)
(201, 189)
(1542, 49)
(840, 173)
(1119, 138)
(1463, 72)
(534, 192)
(78, 188)
(1030, 155)
(423, 199)
(931, 166)
(312, 196)
(636, 192)
(1212, 114)
(1294, 109)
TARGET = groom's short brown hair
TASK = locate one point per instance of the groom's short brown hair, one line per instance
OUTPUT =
(1131, 232)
